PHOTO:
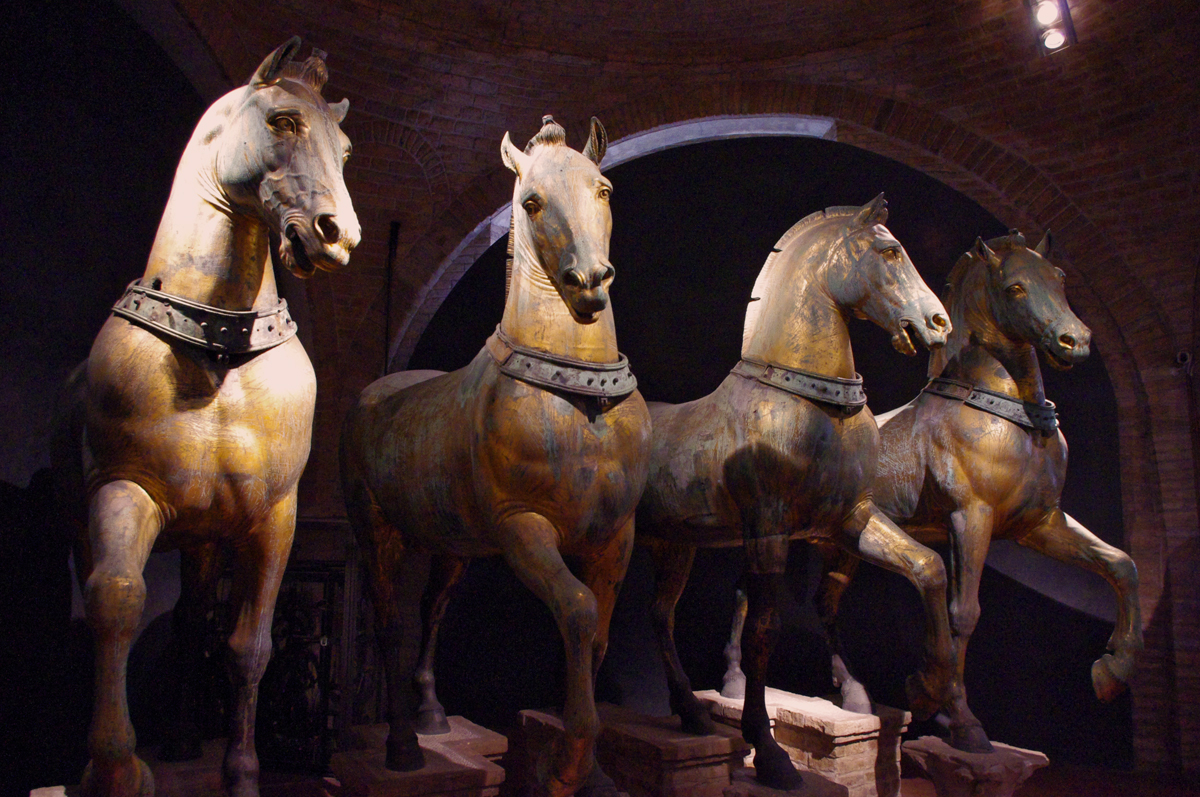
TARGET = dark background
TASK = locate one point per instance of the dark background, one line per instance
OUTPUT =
(94, 117)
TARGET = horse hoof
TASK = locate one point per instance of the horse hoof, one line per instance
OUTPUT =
(970, 739)
(599, 784)
(734, 685)
(1105, 680)
(855, 698)
(432, 722)
(404, 757)
(132, 779)
(921, 703)
(773, 768)
(695, 720)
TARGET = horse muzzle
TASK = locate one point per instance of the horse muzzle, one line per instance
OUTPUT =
(324, 243)
(586, 289)
(1065, 347)
(932, 331)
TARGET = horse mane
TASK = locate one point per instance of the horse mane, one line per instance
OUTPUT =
(768, 275)
(965, 304)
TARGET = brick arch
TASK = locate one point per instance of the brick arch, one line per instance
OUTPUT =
(1132, 332)
(409, 140)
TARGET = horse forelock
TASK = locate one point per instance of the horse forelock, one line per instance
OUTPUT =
(552, 134)
(312, 72)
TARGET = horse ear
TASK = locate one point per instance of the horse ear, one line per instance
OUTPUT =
(874, 212)
(271, 69)
(339, 110)
(1043, 248)
(513, 158)
(986, 254)
(597, 143)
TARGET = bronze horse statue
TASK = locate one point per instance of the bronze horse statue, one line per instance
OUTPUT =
(978, 455)
(195, 405)
(536, 450)
(785, 449)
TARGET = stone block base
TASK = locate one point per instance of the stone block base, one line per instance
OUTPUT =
(812, 785)
(858, 751)
(644, 756)
(461, 763)
(958, 774)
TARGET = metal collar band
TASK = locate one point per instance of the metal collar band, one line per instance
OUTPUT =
(1023, 413)
(211, 328)
(847, 395)
(602, 380)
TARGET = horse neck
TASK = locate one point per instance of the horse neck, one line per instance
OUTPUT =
(205, 250)
(979, 353)
(800, 324)
(536, 317)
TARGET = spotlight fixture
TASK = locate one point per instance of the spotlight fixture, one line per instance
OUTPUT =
(1052, 20)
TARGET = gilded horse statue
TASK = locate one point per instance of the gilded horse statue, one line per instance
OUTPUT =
(536, 450)
(785, 449)
(195, 405)
(978, 455)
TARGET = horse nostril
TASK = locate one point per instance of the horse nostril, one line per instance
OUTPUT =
(573, 278)
(328, 229)
(938, 321)
(606, 274)
(1066, 341)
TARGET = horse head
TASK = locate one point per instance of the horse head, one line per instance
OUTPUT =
(1027, 300)
(882, 284)
(278, 154)
(561, 216)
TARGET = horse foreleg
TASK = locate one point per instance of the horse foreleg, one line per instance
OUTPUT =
(672, 564)
(259, 562)
(444, 574)
(766, 559)
(1066, 539)
(733, 683)
(123, 522)
(837, 570)
(871, 536)
(199, 568)
(530, 546)
(970, 537)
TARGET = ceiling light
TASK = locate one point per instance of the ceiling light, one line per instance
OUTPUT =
(1047, 13)
(1053, 39)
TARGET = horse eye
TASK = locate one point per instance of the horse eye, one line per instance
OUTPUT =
(531, 206)
(284, 124)
(1016, 290)
(604, 193)
(891, 253)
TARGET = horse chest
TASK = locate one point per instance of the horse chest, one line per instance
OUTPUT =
(578, 463)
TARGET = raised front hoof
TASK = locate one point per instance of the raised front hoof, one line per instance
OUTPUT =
(970, 739)
(921, 702)
(432, 721)
(734, 685)
(1106, 678)
(129, 779)
(404, 757)
(773, 768)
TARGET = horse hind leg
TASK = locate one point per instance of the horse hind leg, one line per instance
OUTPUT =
(733, 683)
(123, 523)
(672, 563)
(837, 571)
(1066, 539)
(445, 572)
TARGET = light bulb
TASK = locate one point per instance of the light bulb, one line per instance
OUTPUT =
(1047, 13)
(1053, 39)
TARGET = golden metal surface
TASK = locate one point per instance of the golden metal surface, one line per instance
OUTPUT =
(438, 468)
(752, 464)
(187, 448)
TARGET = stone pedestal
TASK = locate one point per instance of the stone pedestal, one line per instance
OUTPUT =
(858, 751)
(813, 785)
(644, 756)
(461, 763)
(958, 774)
